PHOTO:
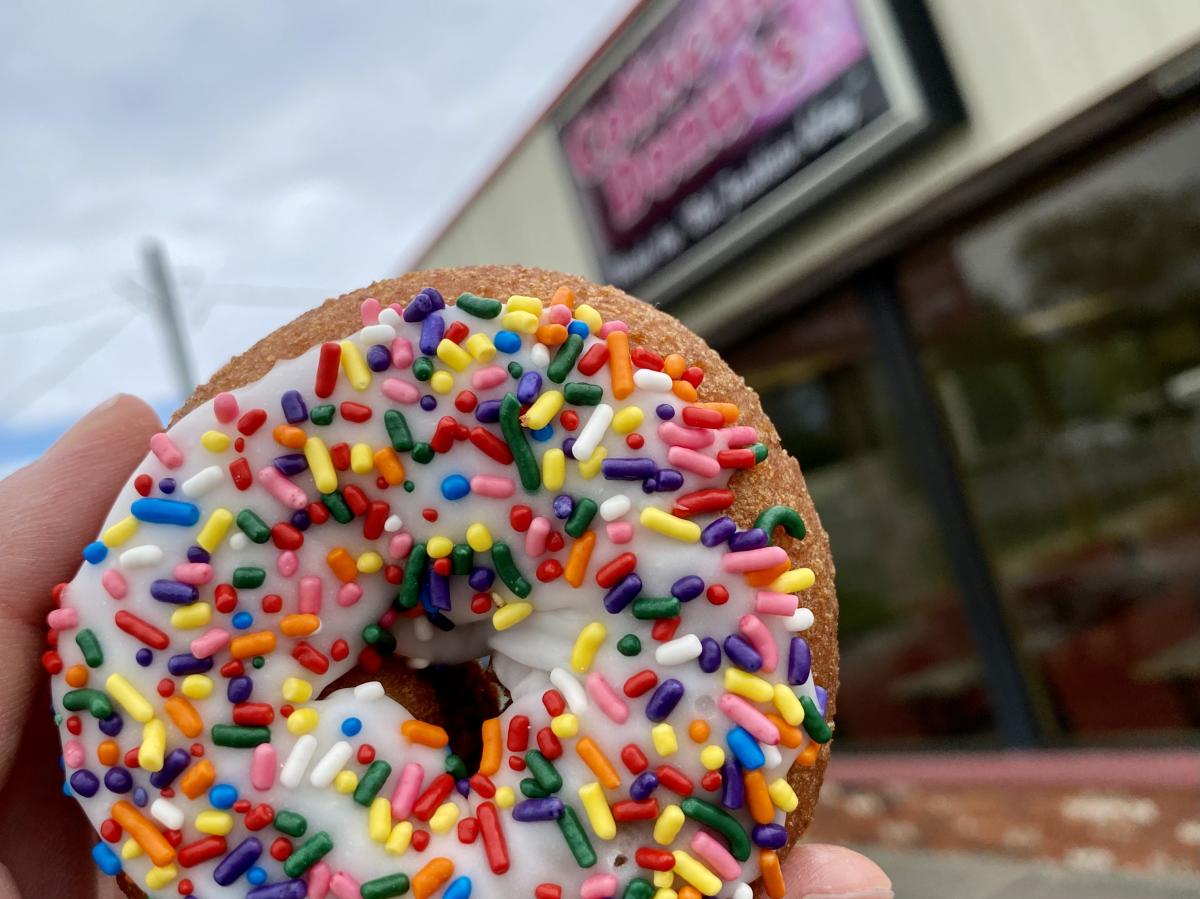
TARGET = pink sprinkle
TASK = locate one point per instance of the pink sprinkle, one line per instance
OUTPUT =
(349, 594)
(760, 638)
(488, 377)
(344, 886)
(696, 463)
(559, 315)
(692, 438)
(535, 537)
(287, 563)
(770, 603)
(402, 352)
(400, 391)
(400, 545)
(741, 712)
(63, 619)
(754, 559)
(723, 864)
(606, 697)
(114, 582)
(318, 881)
(194, 573)
(262, 767)
(407, 789)
(74, 754)
(598, 886)
(388, 618)
(282, 489)
(209, 643)
(309, 602)
(493, 486)
(615, 325)
(619, 532)
(369, 310)
(742, 435)
(168, 453)
(225, 407)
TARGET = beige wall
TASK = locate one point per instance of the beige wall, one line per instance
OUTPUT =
(1022, 67)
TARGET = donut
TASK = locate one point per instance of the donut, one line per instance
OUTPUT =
(266, 672)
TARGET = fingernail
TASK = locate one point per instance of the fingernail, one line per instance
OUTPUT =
(109, 403)
(865, 894)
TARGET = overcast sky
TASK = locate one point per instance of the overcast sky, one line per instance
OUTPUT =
(282, 152)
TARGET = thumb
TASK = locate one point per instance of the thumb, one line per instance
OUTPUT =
(818, 871)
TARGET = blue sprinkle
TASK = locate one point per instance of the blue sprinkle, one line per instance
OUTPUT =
(165, 511)
(455, 486)
(665, 411)
(167, 485)
(242, 620)
(507, 341)
(95, 552)
(429, 402)
(257, 875)
(140, 798)
(351, 726)
(563, 506)
(578, 327)
(745, 748)
(144, 657)
(223, 796)
(458, 889)
(541, 435)
(106, 860)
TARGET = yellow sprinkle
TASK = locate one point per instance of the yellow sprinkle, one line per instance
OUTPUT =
(317, 454)
(443, 819)
(397, 843)
(345, 782)
(355, 367)
(442, 382)
(214, 822)
(439, 547)
(362, 458)
(130, 849)
(670, 525)
(130, 699)
(753, 688)
(513, 613)
(589, 316)
(369, 562)
(590, 639)
(519, 303)
(191, 616)
(120, 532)
(793, 581)
(666, 828)
(214, 441)
(628, 419)
(214, 530)
(696, 874)
(554, 469)
(788, 704)
(480, 346)
(479, 538)
(197, 686)
(564, 726)
(664, 739)
(379, 820)
(158, 877)
(521, 322)
(154, 745)
(712, 757)
(505, 797)
(302, 721)
(591, 467)
(296, 689)
(453, 355)
(783, 795)
(543, 410)
(598, 813)
(662, 880)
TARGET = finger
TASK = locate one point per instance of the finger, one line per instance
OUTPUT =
(833, 872)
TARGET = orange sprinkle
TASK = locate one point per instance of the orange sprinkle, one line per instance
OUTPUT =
(729, 410)
(388, 464)
(342, 564)
(789, 736)
(698, 730)
(77, 676)
(552, 334)
(424, 734)
(684, 391)
(675, 365)
(687, 891)
(185, 716)
(620, 366)
(577, 561)
(289, 436)
(808, 756)
(197, 779)
(257, 644)
(564, 296)
(772, 874)
(108, 753)
(493, 747)
(298, 625)
(427, 881)
(143, 832)
(593, 756)
(762, 810)
(767, 575)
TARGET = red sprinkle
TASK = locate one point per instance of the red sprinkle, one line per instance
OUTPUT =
(377, 514)
(226, 598)
(611, 572)
(641, 682)
(253, 713)
(355, 499)
(143, 484)
(654, 859)
(456, 332)
(635, 441)
(110, 831)
(339, 454)
(674, 780)
(312, 659)
(327, 369)
(355, 412)
(593, 360)
(737, 458)
(554, 702)
(420, 839)
(702, 417)
(549, 570)
(549, 744)
(554, 542)
(633, 810)
(465, 401)
(365, 754)
(547, 891)
(468, 830)
(717, 594)
(520, 518)
(318, 513)
(713, 499)
(198, 852)
(644, 358)
(518, 734)
(492, 446)
(711, 781)
(494, 844)
(435, 794)
(482, 784)
(281, 848)
(251, 421)
(443, 434)
(339, 650)
(664, 628)
(144, 630)
(284, 536)
(429, 514)
(259, 817)
(239, 471)
(634, 759)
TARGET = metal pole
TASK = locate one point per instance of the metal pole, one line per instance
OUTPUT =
(166, 301)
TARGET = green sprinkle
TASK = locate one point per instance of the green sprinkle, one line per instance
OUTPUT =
(336, 504)
(89, 645)
(292, 823)
(322, 415)
(516, 369)
(380, 638)
(385, 887)
(814, 723)
(456, 767)
(409, 486)
(422, 368)
(410, 588)
(423, 453)
(307, 854)
(518, 443)
(253, 527)
(543, 771)
(480, 307)
(93, 700)
(248, 577)
(780, 517)
(581, 516)
(462, 558)
(577, 839)
(579, 393)
(760, 452)
(236, 736)
(722, 822)
(530, 788)
(638, 888)
(258, 661)
(564, 360)
(629, 645)
(372, 782)
(397, 430)
(502, 559)
(650, 608)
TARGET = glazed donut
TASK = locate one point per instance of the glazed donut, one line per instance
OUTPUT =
(492, 462)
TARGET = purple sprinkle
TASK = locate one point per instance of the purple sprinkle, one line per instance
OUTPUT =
(643, 785)
(167, 485)
(239, 689)
(140, 798)
(418, 309)
(300, 520)
(799, 661)
(436, 300)
(379, 358)
(710, 655)
(687, 587)
(822, 699)
(432, 331)
(429, 402)
(568, 446)
(464, 787)
(85, 783)
(197, 554)
(242, 857)
(717, 532)
(288, 889)
(174, 592)
(664, 699)
(733, 793)
(529, 386)
(665, 411)
(294, 408)
(440, 621)
(742, 654)
(173, 765)
(669, 480)
(144, 657)
(118, 780)
(632, 468)
(186, 663)
(481, 578)
(439, 591)
(114, 723)
(755, 538)
(548, 809)
(563, 506)
(623, 593)
(650, 485)
(769, 836)
(488, 412)
(290, 464)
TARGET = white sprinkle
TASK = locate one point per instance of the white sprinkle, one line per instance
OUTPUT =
(373, 334)
(571, 689)
(592, 432)
(539, 355)
(392, 524)
(331, 763)
(422, 629)
(168, 813)
(239, 541)
(418, 664)
(141, 556)
(773, 757)
(680, 650)
(390, 317)
(654, 381)
(297, 761)
(203, 481)
(742, 891)
(800, 620)
(369, 691)
(615, 507)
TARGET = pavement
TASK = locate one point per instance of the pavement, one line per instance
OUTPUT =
(964, 875)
